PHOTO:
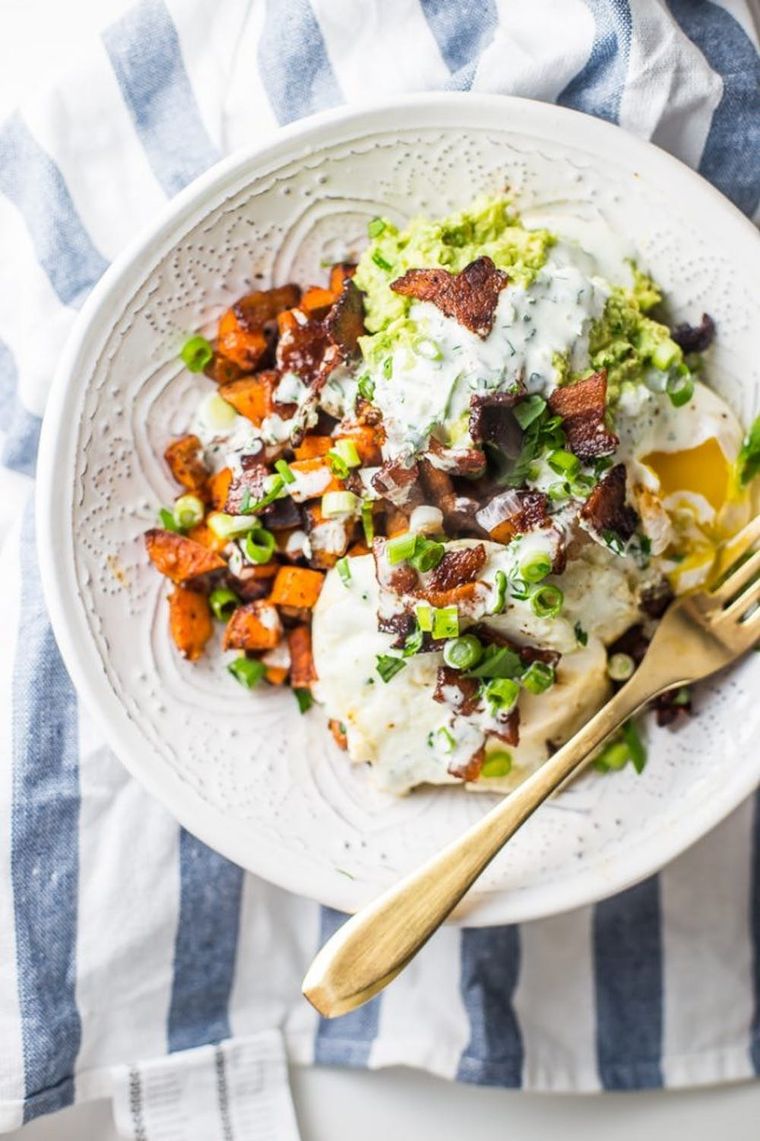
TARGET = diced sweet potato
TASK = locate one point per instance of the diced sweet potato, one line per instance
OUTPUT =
(296, 587)
(179, 558)
(190, 621)
(368, 440)
(218, 486)
(223, 370)
(252, 396)
(244, 347)
(339, 273)
(312, 446)
(276, 675)
(253, 582)
(203, 534)
(339, 734)
(316, 300)
(313, 479)
(302, 672)
(329, 538)
(255, 626)
(257, 308)
(185, 459)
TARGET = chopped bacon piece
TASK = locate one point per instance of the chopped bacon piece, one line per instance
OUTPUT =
(185, 459)
(456, 568)
(467, 462)
(255, 626)
(492, 421)
(222, 369)
(344, 323)
(401, 625)
(695, 338)
(329, 538)
(582, 407)
(397, 481)
(633, 642)
(245, 488)
(458, 510)
(606, 508)
(470, 297)
(254, 582)
(656, 599)
(462, 693)
(509, 728)
(471, 769)
(455, 596)
(513, 513)
(179, 558)
(302, 344)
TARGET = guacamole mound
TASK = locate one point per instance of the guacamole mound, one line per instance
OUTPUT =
(490, 228)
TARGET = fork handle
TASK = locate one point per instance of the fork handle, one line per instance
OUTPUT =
(377, 943)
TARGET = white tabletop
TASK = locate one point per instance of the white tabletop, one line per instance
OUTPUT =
(38, 39)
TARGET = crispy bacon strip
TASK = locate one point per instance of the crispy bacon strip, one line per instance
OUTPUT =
(397, 481)
(466, 462)
(249, 482)
(513, 513)
(582, 407)
(509, 728)
(492, 421)
(606, 508)
(456, 568)
(471, 769)
(344, 323)
(470, 297)
(458, 510)
(463, 691)
(302, 344)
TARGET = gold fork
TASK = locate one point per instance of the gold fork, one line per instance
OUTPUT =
(698, 635)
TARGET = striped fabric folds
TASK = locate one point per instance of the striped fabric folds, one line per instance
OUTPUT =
(113, 952)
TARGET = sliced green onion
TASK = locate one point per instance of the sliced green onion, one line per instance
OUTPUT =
(188, 511)
(167, 520)
(463, 653)
(564, 463)
(375, 227)
(388, 666)
(500, 584)
(196, 353)
(636, 746)
(366, 387)
(682, 696)
(427, 348)
(424, 614)
(274, 487)
(368, 521)
(388, 368)
(401, 548)
(535, 567)
(230, 526)
(248, 671)
(498, 661)
(283, 467)
(560, 490)
(259, 545)
(497, 764)
(223, 601)
(680, 388)
(613, 757)
(335, 503)
(538, 677)
(304, 698)
(346, 450)
(518, 588)
(581, 636)
(427, 555)
(344, 570)
(381, 262)
(445, 622)
(529, 410)
(748, 460)
(613, 541)
(666, 354)
(501, 694)
(620, 667)
(546, 601)
(413, 643)
(337, 466)
(446, 739)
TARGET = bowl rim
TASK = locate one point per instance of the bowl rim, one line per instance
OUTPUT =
(469, 110)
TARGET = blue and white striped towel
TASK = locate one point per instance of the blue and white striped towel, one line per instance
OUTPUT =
(124, 942)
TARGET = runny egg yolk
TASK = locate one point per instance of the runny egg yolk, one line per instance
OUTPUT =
(702, 470)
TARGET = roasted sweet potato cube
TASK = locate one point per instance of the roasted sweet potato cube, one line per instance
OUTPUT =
(218, 486)
(302, 672)
(256, 309)
(276, 675)
(244, 347)
(296, 587)
(316, 300)
(185, 459)
(181, 559)
(312, 446)
(255, 626)
(223, 370)
(339, 273)
(203, 534)
(252, 396)
(368, 440)
(313, 479)
(190, 621)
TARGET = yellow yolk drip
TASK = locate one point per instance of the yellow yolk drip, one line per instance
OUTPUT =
(702, 470)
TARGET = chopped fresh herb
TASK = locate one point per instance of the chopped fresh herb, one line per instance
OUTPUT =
(581, 636)
(501, 694)
(680, 386)
(529, 410)
(388, 666)
(497, 764)
(463, 653)
(498, 661)
(388, 368)
(538, 677)
(748, 461)
(366, 387)
(413, 643)
(635, 745)
(625, 746)
(564, 463)
(344, 570)
(283, 467)
(445, 622)
(222, 602)
(304, 699)
(196, 353)
(259, 545)
(381, 262)
(168, 522)
(375, 227)
(248, 671)
(546, 601)
(614, 542)
(500, 585)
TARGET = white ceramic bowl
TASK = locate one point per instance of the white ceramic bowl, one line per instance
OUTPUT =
(248, 774)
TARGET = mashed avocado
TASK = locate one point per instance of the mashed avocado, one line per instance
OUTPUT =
(627, 342)
(490, 228)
